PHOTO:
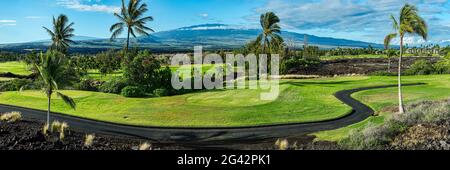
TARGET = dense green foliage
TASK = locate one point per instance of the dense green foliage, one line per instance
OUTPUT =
(14, 85)
(113, 86)
(108, 62)
(133, 91)
(145, 70)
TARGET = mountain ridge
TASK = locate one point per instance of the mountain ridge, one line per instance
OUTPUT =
(210, 36)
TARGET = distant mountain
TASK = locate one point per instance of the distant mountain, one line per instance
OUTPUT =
(210, 36)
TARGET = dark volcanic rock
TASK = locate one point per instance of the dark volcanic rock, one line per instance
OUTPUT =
(361, 66)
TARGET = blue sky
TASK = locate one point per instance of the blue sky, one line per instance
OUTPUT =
(366, 20)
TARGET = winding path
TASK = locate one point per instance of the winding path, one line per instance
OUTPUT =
(214, 136)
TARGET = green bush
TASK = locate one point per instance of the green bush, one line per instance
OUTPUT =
(143, 70)
(133, 91)
(161, 92)
(304, 64)
(113, 86)
(87, 84)
(15, 84)
(420, 67)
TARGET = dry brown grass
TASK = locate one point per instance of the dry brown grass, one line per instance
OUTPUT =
(89, 140)
(282, 144)
(11, 117)
(145, 146)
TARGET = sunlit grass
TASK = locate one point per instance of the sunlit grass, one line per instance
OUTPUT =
(16, 67)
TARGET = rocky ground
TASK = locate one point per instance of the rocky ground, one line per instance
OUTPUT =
(424, 137)
(27, 135)
(361, 66)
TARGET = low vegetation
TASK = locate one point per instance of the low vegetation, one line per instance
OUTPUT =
(282, 144)
(11, 117)
(380, 136)
(89, 140)
(145, 146)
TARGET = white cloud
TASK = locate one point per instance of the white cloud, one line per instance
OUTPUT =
(368, 17)
(80, 6)
(7, 21)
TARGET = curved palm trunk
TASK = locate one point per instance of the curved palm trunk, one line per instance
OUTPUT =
(400, 98)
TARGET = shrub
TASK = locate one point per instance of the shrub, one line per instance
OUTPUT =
(143, 70)
(304, 64)
(145, 146)
(11, 117)
(113, 86)
(420, 67)
(88, 85)
(133, 91)
(378, 136)
(89, 140)
(15, 84)
(161, 92)
(45, 129)
(59, 127)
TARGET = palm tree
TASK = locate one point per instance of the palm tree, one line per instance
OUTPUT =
(61, 33)
(50, 67)
(132, 18)
(409, 23)
(269, 38)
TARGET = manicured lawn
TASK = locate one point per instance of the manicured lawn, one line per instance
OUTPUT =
(95, 74)
(15, 67)
(299, 101)
(383, 101)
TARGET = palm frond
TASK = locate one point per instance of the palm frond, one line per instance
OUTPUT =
(394, 23)
(68, 100)
(388, 39)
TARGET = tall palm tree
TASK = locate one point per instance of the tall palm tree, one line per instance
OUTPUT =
(270, 37)
(61, 33)
(409, 23)
(132, 18)
(50, 67)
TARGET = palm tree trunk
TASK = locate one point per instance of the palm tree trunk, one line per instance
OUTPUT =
(400, 98)
(128, 40)
(49, 96)
(389, 64)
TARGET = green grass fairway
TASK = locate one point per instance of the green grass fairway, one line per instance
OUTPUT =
(299, 101)
(15, 67)
(95, 74)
